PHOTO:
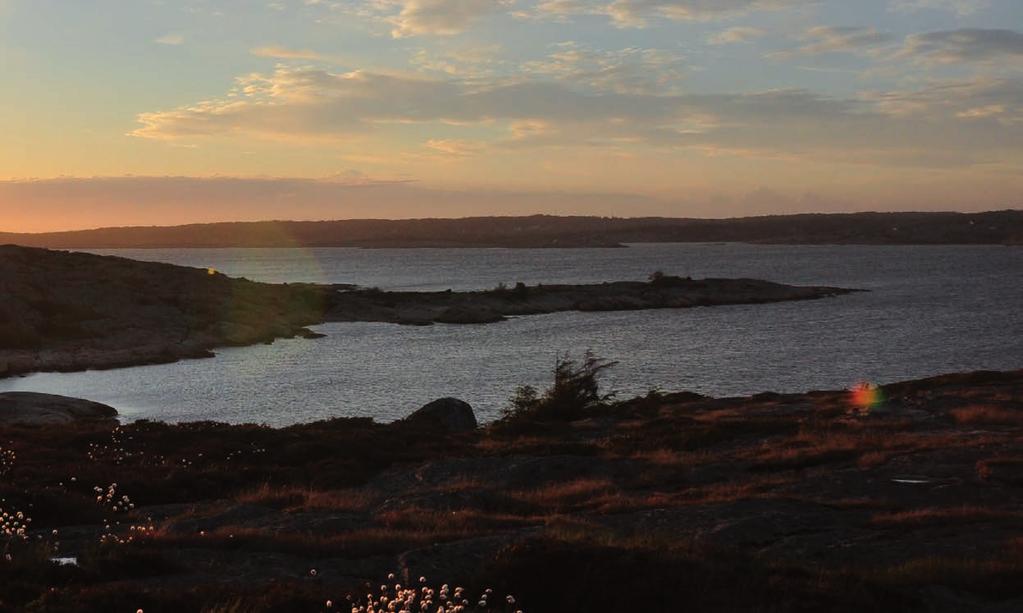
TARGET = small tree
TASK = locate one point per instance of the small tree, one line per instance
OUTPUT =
(524, 401)
(576, 389)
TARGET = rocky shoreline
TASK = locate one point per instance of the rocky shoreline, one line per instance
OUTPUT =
(901, 497)
(64, 311)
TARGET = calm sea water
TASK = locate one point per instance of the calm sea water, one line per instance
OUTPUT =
(930, 310)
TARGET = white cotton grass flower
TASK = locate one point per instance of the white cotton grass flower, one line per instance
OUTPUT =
(422, 599)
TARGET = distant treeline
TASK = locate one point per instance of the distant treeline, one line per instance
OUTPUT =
(996, 227)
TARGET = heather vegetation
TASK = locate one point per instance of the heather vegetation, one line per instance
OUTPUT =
(576, 501)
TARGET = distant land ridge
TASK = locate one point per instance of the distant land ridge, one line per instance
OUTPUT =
(931, 228)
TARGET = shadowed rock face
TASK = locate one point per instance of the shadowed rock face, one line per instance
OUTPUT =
(29, 408)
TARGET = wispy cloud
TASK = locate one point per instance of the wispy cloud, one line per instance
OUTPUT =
(739, 34)
(988, 98)
(965, 45)
(829, 39)
(625, 71)
(274, 51)
(300, 103)
(440, 17)
(465, 62)
(961, 7)
(454, 147)
(170, 39)
(286, 53)
(637, 13)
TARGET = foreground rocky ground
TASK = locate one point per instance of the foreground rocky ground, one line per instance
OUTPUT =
(64, 311)
(906, 497)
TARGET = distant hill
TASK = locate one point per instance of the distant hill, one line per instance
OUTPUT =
(996, 227)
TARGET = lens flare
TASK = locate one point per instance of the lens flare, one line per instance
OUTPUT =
(866, 396)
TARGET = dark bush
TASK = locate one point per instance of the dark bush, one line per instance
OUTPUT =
(575, 390)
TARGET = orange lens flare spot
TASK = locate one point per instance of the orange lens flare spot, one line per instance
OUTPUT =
(865, 396)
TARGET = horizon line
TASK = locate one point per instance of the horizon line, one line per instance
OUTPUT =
(508, 217)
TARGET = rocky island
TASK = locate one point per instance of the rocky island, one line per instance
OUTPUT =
(661, 292)
(63, 311)
(904, 497)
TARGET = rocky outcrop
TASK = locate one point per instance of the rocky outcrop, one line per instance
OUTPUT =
(30, 408)
(666, 292)
(448, 414)
(75, 311)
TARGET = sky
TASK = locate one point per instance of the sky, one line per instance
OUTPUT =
(140, 112)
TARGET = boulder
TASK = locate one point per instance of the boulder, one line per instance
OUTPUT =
(450, 414)
(30, 408)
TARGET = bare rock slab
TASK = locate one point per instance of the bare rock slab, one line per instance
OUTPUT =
(30, 408)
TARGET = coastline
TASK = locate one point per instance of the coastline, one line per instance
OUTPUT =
(69, 311)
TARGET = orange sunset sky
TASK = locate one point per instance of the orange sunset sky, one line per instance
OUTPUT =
(148, 112)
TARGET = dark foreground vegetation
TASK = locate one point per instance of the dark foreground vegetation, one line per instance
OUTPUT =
(906, 497)
(996, 227)
(73, 311)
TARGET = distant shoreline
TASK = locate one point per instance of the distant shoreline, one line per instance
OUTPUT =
(547, 231)
(553, 248)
